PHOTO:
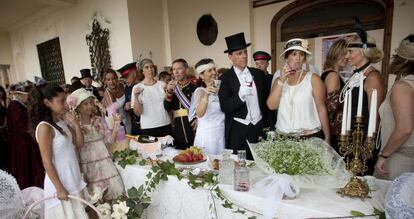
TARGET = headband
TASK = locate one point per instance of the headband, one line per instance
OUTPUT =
(200, 69)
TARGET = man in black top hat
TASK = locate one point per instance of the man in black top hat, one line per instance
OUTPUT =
(86, 79)
(261, 59)
(242, 97)
(131, 77)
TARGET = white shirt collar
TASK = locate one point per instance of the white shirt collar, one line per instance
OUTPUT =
(238, 71)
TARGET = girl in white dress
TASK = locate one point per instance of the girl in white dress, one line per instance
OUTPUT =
(206, 107)
(48, 122)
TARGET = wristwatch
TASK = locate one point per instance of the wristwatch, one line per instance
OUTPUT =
(383, 156)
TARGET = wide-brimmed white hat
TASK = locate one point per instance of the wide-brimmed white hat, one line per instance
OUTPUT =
(297, 44)
(77, 97)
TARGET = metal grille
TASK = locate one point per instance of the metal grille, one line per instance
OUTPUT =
(97, 42)
(50, 59)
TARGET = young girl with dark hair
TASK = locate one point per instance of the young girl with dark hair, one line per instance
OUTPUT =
(58, 135)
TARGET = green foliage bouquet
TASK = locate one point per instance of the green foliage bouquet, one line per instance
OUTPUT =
(309, 163)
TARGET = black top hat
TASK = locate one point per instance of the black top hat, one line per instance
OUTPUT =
(124, 71)
(236, 42)
(261, 55)
(86, 73)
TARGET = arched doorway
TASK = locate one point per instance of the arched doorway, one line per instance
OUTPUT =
(318, 18)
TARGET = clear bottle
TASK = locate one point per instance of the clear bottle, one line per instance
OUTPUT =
(226, 168)
(241, 173)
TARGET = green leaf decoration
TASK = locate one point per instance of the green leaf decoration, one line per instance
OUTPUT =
(357, 213)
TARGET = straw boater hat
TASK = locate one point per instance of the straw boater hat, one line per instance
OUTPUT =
(406, 48)
(297, 44)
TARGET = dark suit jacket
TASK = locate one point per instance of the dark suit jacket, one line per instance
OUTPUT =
(230, 102)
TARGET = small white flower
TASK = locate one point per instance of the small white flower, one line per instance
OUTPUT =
(96, 195)
(120, 210)
(105, 210)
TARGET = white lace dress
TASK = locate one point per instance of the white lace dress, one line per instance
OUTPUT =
(67, 167)
(210, 129)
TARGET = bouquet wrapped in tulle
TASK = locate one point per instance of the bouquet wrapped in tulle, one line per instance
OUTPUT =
(308, 163)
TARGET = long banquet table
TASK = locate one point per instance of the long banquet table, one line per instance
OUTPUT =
(175, 199)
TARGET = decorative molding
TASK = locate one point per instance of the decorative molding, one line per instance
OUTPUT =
(261, 3)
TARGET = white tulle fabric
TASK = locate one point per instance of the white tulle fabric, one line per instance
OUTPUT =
(337, 177)
(399, 201)
(11, 200)
(273, 188)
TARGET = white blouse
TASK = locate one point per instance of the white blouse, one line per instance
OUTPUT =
(297, 109)
(152, 97)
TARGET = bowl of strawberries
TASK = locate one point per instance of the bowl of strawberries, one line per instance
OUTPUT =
(192, 155)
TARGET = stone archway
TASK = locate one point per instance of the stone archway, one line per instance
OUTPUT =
(297, 7)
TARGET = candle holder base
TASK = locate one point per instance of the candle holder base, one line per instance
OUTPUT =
(355, 188)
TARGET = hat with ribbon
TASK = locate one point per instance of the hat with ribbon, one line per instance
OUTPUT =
(406, 48)
(297, 44)
(77, 97)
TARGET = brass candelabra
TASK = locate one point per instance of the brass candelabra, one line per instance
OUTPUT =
(357, 149)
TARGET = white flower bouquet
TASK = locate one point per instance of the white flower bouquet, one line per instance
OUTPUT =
(308, 163)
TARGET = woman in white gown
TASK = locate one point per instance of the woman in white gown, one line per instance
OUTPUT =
(206, 107)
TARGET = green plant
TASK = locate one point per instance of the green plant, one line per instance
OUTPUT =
(126, 157)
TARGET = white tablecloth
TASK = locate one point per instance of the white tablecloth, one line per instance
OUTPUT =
(175, 199)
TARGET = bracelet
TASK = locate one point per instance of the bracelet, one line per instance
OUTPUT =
(383, 156)
(279, 82)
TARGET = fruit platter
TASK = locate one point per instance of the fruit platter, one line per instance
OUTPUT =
(192, 155)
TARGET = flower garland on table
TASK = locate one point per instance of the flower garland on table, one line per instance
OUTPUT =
(138, 199)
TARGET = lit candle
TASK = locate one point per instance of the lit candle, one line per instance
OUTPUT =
(360, 95)
(344, 114)
(349, 116)
(372, 113)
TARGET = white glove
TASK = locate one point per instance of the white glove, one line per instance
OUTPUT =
(244, 91)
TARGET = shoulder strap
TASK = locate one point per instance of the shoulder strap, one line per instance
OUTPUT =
(409, 80)
(38, 125)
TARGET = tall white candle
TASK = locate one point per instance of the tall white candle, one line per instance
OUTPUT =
(360, 95)
(372, 113)
(349, 111)
(344, 114)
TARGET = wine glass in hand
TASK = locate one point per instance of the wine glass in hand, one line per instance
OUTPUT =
(248, 81)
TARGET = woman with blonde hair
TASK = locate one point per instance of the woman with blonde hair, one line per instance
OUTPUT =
(336, 60)
(397, 116)
(362, 53)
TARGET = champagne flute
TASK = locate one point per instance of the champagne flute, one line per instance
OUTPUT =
(216, 84)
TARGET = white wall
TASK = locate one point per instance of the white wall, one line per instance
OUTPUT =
(147, 30)
(71, 26)
(232, 16)
(6, 57)
(262, 19)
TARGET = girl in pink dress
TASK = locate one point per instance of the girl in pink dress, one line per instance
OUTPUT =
(95, 160)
